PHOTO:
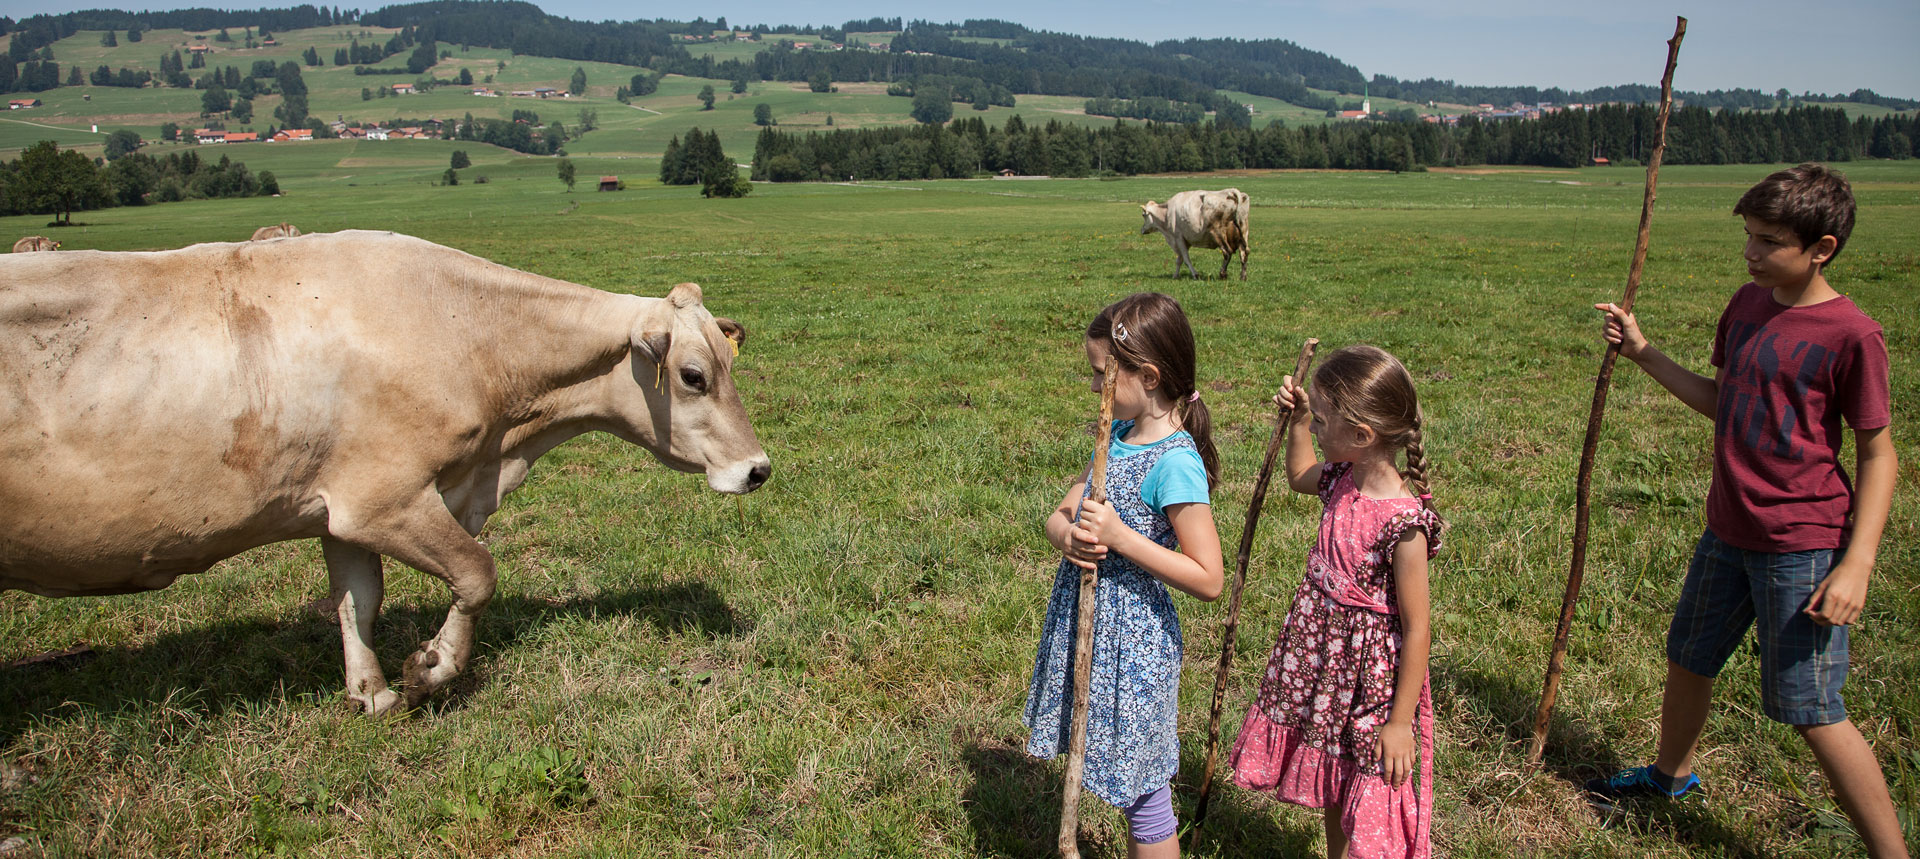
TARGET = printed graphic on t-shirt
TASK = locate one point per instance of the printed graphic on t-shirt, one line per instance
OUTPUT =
(1747, 416)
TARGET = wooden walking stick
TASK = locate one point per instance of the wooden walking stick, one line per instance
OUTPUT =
(1274, 445)
(1584, 483)
(1083, 635)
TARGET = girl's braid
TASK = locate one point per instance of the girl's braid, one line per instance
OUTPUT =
(1417, 458)
(1417, 468)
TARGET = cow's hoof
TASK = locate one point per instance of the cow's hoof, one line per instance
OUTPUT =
(381, 704)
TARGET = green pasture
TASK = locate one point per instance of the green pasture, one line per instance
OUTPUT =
(836, 665)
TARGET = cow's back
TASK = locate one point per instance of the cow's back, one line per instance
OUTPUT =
(161, 411)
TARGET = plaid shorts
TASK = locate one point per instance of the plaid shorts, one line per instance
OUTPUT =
(1802, 664)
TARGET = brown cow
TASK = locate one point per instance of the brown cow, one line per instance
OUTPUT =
(280, 230)
(1201, 219)
(35, 243)
(160, 412)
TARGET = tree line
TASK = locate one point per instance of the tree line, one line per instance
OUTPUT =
(700, 161)
(48, 180)
(1188, 70)
(1621, 133)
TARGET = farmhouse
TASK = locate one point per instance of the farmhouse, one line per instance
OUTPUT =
(199, 49)
(208, 135)
(524, 93)
(242, 137)
(22, 103)
(403, 89)
(609, 183)
(376, 134)
(287, 134)
(484, 92)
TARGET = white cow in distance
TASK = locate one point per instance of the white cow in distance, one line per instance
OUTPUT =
(160, 412)
(1201, 219)
(30, 244)
(276, 231)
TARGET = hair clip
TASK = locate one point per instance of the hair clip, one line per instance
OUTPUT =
(1120, 332)
(1426, 496)
(1195, 398)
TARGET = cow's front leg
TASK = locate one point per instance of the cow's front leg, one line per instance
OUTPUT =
(425, 536)
(1185, 260)
(358, 586)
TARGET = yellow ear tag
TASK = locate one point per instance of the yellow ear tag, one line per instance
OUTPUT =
(736, 346)
(659, 370)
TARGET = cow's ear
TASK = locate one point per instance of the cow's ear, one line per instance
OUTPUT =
(685, 295)
(734, 331)
(653, 334)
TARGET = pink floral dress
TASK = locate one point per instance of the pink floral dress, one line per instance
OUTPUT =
(1309, 737)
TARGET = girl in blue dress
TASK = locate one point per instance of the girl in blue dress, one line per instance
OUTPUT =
(1155, 531)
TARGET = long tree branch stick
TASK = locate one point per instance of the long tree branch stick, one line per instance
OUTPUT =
(1083, 634)
(1274, 444)
(1584, 483)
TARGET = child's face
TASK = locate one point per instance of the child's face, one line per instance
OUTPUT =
(1776, 259)
(1340, 440)
(1129, 392)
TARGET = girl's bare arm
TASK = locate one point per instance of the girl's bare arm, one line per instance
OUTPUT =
(1416, 644)
(1196, 569)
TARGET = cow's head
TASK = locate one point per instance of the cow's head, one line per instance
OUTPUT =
(1153, 216)
(688, 411)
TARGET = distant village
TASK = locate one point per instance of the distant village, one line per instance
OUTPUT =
(430, 129)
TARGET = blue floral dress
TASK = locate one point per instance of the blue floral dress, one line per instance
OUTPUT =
(1133, 695)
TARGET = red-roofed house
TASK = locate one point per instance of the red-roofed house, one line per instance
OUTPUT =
(242, 137)
(208, 135)
(403, 89)
(287, 134)
(22, 103)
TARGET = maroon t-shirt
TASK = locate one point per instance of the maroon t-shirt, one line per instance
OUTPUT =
(1787, 375)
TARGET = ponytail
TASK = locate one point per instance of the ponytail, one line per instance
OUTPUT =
(1197, 420)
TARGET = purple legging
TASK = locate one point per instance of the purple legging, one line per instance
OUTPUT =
(1150, 818)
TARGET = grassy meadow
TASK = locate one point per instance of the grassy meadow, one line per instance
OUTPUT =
(836, 666)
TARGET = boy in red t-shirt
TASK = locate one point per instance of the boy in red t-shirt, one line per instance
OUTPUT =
(1790, 543)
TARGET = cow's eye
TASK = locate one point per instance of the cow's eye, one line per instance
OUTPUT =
(694, 379)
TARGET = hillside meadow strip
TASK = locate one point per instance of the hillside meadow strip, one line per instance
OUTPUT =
(837, 667)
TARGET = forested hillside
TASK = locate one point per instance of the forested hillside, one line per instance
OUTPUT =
(1018, 59)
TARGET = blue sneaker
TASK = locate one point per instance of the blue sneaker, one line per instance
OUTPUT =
(1636, 783)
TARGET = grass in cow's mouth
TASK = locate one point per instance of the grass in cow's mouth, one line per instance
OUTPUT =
(843, 673)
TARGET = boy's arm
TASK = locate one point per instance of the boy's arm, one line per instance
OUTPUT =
(1839, 599)
(1700, 393)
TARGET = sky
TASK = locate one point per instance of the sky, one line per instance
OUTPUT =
(1824, 47)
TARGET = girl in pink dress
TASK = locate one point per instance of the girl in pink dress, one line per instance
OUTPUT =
(1345, 701)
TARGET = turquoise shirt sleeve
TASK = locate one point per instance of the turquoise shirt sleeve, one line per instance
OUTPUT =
(1178, 478)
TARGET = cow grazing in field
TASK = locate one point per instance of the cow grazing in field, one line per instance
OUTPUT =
(280, 230)
(1201, 219)
(160, 412)
(35, 243)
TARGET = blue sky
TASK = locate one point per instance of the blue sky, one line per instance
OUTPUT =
(1831, 47)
